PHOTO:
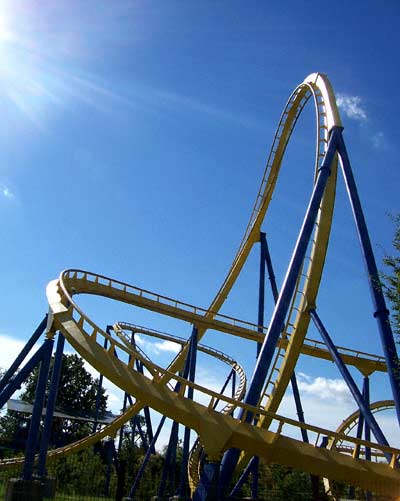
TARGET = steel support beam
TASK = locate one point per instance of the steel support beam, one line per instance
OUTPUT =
(186, 439)
(20, 377)
(146, 410)
(362, 403)
(139, 475)
(37, 410)
(208, 481)
(99, 388)
(293, 379)
(381, 312)
(50, 406)
(23, 353)
(177, 387)
(282, 306)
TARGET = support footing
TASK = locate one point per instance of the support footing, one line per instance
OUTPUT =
(24, 490)
(49, 487)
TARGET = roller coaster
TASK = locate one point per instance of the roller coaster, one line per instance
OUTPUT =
(234, 431)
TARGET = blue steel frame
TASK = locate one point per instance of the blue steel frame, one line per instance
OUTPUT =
(252, 466)
(170, 457)
(293, 379)
(278, 317)
(335, 146)
(99, 388)
(50, 406)
(15, 383)
(362, 402)
(183, 488)
(135, 423)
(381, 312)
(360, 427)
(146, 410)
(23, 353)
(188, 372)
(40, 395)
(139, 475)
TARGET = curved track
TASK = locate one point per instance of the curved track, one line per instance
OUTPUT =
(228, 408)
(354, 450)
(218, 431)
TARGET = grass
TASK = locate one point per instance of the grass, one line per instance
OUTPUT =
(68, 497)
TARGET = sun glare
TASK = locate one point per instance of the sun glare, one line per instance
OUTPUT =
(6, 34)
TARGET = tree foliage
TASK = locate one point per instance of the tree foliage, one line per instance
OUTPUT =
(77, 392)
(391, 278)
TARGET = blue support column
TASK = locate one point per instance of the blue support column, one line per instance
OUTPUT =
(367, 427)
(260, 322)
(278, 317)
(231, 375)
(270, 268)
(147, 418)
(142, 436)
(99, 390)
(367, 432)
(360, 428)
(23, 353)
(363, 405)
(381, 312)
(169, 458)
(208, 480)
(108, 446)
(51, 403)
(293, 379)
(20, 377)
(261, 288)
(135, 423)
(37, 411)
(153, 442)
(121, 431)
(299, 407)
(186, 438)
(146, 410)
(139, 475)
(253, 463)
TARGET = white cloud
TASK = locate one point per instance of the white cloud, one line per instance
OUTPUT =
(324, 388)
(378, 140)
(304, 376)
(351, 107)
(157, 346)
(12, 349)
(7, 193)
(167, 346)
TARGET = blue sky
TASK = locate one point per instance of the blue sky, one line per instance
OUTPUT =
(134, 139)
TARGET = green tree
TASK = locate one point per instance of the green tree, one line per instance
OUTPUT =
(391, 278)
(77, 392)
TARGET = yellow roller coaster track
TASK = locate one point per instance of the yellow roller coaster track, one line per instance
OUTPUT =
(354, 450)
(197, 449)
(217, 431)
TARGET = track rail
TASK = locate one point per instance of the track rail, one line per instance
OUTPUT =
(197, 449)
(351, 449)
(217, 431)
